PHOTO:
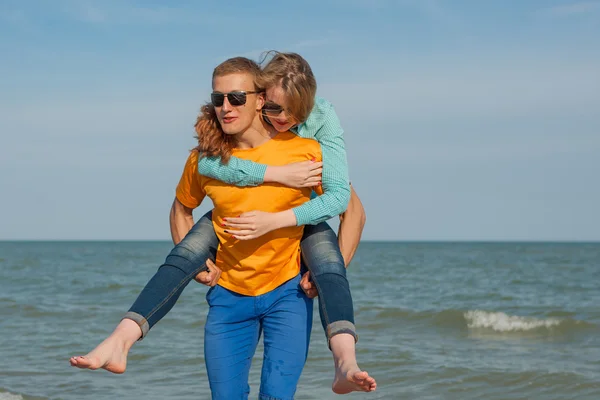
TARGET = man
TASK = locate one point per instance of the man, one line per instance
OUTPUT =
(259, 288)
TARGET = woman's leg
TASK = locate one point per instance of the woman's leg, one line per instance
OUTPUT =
(322, 256)
(231, 334)
(286, 316)
(184, 262)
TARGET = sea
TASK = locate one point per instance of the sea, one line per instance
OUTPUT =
(494, 321)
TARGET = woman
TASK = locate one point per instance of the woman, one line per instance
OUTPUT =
(290, 93)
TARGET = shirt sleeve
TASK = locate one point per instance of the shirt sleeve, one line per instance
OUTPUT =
(189, 191)
(237, 172)
(324, 126)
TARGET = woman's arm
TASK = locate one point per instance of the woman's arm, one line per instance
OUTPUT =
(324, 126)
(241, 172)
(236, 172)
(352, 223)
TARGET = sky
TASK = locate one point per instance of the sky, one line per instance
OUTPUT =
(464, 120)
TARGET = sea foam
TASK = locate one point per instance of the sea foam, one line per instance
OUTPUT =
(10, 396)
(501, 322)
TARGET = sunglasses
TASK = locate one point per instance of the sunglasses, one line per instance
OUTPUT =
(272, 109)
(237, 98)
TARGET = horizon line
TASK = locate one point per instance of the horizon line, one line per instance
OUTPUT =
(557, 241)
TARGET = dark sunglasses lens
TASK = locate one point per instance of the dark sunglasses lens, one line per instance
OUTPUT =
(236, 98)
(272, 108)
(217, 99)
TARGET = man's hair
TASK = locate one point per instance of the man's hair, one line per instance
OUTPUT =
(212, 141)
(238, 65)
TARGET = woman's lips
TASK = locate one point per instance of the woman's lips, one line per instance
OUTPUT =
(228, 120)
(279, 124)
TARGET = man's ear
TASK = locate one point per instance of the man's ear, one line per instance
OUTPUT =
(260, 101)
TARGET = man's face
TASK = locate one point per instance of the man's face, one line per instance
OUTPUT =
(236, 119)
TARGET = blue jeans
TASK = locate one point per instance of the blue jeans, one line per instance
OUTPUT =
(321, 255)
(233, 328)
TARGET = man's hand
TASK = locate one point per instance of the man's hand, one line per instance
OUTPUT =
(309, 288)
(297, 175)
(209, 277)
(253, 224)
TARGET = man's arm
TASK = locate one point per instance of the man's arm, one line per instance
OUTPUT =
(181, 220)
(352, 223)
(188, 195)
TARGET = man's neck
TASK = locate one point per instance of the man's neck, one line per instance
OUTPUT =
(257, 134)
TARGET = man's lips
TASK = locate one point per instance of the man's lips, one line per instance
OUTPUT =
(228, 120)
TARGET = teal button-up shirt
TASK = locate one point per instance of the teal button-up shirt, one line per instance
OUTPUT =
(322, 125)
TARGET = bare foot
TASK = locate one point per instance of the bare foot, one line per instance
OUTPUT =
(349, 378)
(110, 355)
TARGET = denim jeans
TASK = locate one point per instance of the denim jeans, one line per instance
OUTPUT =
(321, 256)
(232, 331)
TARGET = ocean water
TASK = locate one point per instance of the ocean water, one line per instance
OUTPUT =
(436, 321)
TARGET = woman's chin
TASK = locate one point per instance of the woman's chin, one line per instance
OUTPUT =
(282, 128)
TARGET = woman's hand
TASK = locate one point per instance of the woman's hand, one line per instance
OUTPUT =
(297, 175)
(253, 224)
(250, 225)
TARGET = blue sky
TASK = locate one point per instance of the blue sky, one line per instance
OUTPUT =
(464, 120)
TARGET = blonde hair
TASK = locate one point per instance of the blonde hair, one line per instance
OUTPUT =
(294, 75)
(212, 141)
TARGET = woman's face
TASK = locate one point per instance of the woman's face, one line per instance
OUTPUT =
(276, 109)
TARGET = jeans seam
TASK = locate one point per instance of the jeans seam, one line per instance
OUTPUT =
(321, 297)
(162, 303)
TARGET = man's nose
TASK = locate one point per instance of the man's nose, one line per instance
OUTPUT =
(226, 104)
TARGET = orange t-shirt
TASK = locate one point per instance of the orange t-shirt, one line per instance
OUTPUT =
(257, 266)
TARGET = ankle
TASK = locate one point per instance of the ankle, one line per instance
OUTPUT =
(345, 363)
(126, 333)
(343, 350)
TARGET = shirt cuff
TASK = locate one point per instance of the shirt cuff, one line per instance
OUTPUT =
(304, 216)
